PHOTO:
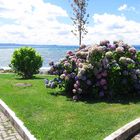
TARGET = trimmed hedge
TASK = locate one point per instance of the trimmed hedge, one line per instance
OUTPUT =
(26, 62)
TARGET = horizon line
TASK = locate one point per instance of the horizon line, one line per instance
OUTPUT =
(35, 44)
(24, 44)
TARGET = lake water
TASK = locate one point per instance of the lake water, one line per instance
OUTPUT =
(49, 53)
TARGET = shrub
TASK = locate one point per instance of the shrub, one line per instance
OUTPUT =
(26, 62)
(101, 70)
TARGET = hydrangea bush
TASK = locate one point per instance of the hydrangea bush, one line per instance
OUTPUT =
(100, 70)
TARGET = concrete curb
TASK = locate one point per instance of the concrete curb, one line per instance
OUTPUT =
(18, 124)
(126, 131)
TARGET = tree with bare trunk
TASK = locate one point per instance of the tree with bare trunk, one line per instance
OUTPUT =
(79, 18)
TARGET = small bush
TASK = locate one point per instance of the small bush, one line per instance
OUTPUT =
(26, 62)
(102, 70)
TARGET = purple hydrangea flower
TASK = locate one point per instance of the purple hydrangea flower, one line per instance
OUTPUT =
(52, 85)
(76, 78)
(72, 75)
(84, 78)
(101, 93)
(46, 81)
(112, 47)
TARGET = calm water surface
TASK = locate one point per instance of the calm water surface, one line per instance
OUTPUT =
(49, 53)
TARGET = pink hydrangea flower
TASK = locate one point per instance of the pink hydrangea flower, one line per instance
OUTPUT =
(76, 86)
(104, 74)
(74, 59)
(103, 82)
(119, 49)
(132, 50)
(69, 53)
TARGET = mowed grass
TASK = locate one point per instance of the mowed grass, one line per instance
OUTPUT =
(51, 117)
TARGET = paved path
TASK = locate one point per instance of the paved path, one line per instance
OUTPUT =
(7, 131)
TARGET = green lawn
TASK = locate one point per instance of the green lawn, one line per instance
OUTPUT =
(51, 117)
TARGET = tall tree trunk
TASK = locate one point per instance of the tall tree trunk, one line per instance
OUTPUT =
(80, 35)
(80, 29)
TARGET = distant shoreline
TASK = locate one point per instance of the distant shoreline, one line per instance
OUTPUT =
(42, 70)
(8, 68)
(14, 45)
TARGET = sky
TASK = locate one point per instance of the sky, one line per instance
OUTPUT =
(48, 21)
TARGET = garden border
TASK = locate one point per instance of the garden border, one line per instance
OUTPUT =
(125, 132)
(16, 122)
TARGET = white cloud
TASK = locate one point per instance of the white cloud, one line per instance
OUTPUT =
(37, 22)
(113, 27)
(122, 7)
(125, 7)
(33, 22)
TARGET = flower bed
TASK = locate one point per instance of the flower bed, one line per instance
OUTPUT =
(101, 70)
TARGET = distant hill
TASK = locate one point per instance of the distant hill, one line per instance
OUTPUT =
(15, 45)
